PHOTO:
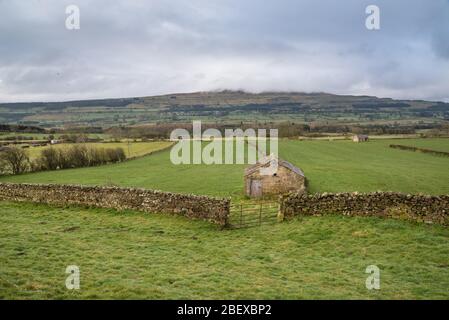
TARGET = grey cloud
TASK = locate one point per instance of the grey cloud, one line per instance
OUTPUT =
(138, 48)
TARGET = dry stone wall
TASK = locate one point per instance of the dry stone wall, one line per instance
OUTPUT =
(416, 149)
(415, 207)
(196, 207)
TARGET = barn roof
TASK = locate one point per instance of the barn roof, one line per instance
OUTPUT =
(267, 159)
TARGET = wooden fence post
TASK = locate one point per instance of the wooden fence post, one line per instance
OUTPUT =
(241, 214)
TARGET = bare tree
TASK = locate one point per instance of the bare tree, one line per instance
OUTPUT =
(78, 156)
(50, 159)
(14, 160)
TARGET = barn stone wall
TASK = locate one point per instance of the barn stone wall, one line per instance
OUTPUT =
(284, 182)
(197, 207)
(415, 207)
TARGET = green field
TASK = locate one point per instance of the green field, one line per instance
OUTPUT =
(330, 166)
(132, 149)
(45, 136)
(35, 136)
(137, 255)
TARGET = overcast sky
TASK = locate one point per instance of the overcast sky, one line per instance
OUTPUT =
(130, 48)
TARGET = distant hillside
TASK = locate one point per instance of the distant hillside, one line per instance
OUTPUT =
(227, 106)
(20, 128)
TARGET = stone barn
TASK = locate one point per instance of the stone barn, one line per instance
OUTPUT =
(360, 138)
(287, 178)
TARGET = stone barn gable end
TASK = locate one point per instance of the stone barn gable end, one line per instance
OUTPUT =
(360, 138)
(287, 178)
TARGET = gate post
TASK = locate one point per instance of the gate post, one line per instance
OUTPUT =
(280, 215)
(241, 214)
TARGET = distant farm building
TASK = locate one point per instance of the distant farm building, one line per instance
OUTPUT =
(55, 141)
(360, 138)
(287, 178)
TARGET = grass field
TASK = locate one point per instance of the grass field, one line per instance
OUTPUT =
(331, 166)
(36, 136)
(39, 136)
(133, 149)
(137, 255)
(348, 166)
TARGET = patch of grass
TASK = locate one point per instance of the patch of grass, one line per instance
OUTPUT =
(153, 256)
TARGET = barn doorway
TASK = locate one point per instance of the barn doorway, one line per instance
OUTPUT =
(256, 188)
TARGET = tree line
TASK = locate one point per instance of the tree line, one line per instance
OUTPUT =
(14, 160)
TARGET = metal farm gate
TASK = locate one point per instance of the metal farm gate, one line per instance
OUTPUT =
(253, 214)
